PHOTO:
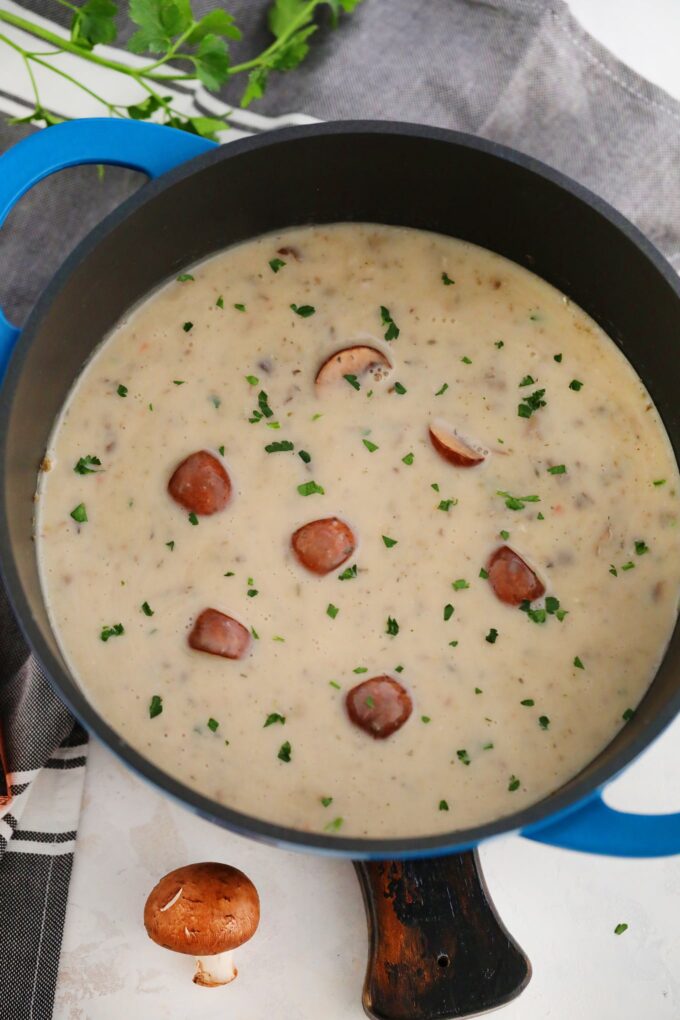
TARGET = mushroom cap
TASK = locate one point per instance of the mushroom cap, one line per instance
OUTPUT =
(202, 909)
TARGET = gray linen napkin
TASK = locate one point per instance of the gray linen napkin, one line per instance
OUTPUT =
(522, 72)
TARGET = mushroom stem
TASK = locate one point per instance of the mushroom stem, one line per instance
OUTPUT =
(212, 971)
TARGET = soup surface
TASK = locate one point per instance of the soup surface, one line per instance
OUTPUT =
(517, 667)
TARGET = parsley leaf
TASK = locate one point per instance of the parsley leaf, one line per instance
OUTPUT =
(531, 404)
(310, 489)
(155, 706)
(392, 331)
(446, 280)
(276, 264)
(575, 384)
(513, 784)
(460, 584)
(79, 513)
(392, 627)
(402, 389)
(353, 381)
(304, 311)
(146, 609)
(558, 469)
(517, 502)
(284, 752)
(389, 542)
(408, 459)
(114, 631)
(492, 636)
(348, 573)
(371, 447)
(274, 717)
(122, 391)
(442, 389)
(332, 610)
(83, 465)
(284, 446)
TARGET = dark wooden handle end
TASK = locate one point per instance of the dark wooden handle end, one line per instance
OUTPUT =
(437, 948)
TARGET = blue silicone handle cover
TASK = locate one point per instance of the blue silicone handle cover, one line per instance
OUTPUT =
(591, 826)
(151, 148)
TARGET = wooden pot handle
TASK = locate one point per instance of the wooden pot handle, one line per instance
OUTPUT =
(437, 948)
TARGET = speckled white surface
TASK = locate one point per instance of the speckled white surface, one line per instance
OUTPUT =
(308, 957)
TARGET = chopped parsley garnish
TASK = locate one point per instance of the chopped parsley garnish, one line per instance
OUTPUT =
(230, 573)
(84, 465)
(463, 756)
(332, 610)
(537, 615)
(513, 784)
(392, 331)
(284, 751)
(304, 311)
(389, 542)
(491, 636)
(613, 571)
(620, 928)
(239, 307)
(220, 302)
(539, 516)
(79, 513)
(460, 584)
(178, 382)
(155, 706)
(193, 519)
(425, 719)
(499, 344)
(254, 633)
(326, 801)
(263, 404)
(371, 447)
(401, 390)
(478, 690)
(446, 504)
(659, 481)
(442, 389)
(448, 611)
(335, 684)
(446, 280)
(577, 663)
(360, 669)
(392, 627)
(310, 488)
(628, 566)
(398, 669)
(453, 644)
(575, 384)
(334, 825)
(557, 358)
(484, 574)
(641, 547)
(215, 401)
(558, 469)
(517, 502)
(504, 535)
(304, 456)
(274, 717)
(531, 404)
(370, 703)
(628, 714)
(408, 459)
(146, 609)
(528, 380)
(443, 806)
(221, 450)
(348, 573)
(252, 379)
(466, 360)
(115, 631)
(186, 326)
(276, 264)
(171, 545)
(284, 446)
(528, 702)
(212, 725)
(543, 722)
(184, 277)
(435, 486)
(122, 391)
(353, 381)
(252, 592)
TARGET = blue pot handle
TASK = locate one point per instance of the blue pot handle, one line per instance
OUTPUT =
(151, 148)
(596, 828)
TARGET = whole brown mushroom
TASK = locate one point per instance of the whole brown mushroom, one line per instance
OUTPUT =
(204, 910)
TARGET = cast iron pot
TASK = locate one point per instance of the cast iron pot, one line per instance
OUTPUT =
(209, 197)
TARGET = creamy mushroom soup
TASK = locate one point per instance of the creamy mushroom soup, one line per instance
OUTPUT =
(363, 530)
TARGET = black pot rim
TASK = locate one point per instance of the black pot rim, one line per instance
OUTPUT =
(561, 802)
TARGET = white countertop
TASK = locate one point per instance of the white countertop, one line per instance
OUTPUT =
(308, 958)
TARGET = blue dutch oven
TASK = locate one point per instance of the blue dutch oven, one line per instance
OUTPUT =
(203, 198)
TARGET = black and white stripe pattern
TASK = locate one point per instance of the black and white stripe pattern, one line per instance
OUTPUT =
(46, 753)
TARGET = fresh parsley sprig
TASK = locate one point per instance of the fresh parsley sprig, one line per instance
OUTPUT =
(180, 46)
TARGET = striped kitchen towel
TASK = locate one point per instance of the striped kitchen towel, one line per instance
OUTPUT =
(46, 756)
